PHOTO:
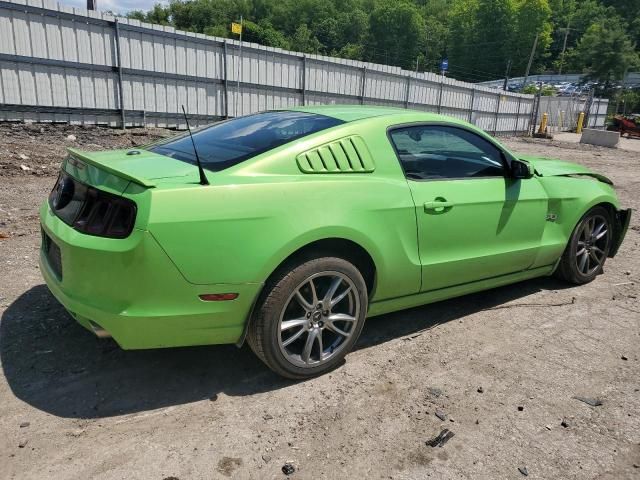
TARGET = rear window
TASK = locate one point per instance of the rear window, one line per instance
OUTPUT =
(230, 142)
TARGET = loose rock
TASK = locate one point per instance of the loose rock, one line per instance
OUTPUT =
(480, 390)
(523, 471)
(25, 424)
(594, 402)
(288, 469)
(441, 415)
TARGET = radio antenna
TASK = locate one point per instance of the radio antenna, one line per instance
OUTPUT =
(203, 177)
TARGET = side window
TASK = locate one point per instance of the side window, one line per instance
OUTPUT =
(436, 152)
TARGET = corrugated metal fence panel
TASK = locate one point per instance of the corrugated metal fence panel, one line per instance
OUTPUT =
(61, 64)
(562, 112)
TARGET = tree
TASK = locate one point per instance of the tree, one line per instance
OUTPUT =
(305, 41)
(533, 18)
(396, 34)
(606, 51)
(264, 34)
(479, 37)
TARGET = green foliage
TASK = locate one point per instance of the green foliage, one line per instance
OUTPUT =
(396, 30)
(628, 101)
(532, 89)
(606, 51)
(479, 37)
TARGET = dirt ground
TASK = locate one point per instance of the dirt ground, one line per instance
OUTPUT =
(503, 366)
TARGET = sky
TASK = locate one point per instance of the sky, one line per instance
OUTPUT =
(118, 6)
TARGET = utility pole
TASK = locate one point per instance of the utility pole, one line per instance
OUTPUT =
(533, 52)
(506, 75)
(92, 4)
(239, 68)
(564, 46)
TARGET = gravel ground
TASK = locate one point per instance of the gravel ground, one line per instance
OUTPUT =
(501, 367)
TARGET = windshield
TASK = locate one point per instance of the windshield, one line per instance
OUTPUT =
(230, 142)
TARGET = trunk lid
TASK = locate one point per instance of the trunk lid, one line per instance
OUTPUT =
(145, 168)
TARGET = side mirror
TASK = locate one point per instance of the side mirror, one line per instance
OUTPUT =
(520, 169)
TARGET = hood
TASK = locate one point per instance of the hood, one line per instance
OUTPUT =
(548, 167)
(144, 167)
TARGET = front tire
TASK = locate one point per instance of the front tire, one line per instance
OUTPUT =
(588, 248)
(309, 317)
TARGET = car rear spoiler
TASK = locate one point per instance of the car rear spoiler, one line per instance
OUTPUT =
(86, 157)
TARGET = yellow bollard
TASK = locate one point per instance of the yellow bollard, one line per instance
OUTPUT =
(543, 123)
(580, 122)
(562, 119)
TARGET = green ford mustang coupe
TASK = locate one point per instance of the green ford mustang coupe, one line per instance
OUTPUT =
(298, 224)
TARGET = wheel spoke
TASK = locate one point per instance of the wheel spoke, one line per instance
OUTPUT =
(341, 317)
(601, 234)
(583, 261)
(303, 301)
(339, 298)
(320, 347)
(294, 337)
(308, 346)
(287, 324)
(313, 292)
(326, 302)
(580, 252)
(583, 231)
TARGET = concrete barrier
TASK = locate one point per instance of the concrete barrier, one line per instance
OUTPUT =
(603, 138)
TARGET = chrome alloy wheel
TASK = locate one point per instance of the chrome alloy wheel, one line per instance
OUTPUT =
(591, 250)
(318, 318)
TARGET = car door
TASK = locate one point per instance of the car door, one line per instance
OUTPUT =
(474, 221)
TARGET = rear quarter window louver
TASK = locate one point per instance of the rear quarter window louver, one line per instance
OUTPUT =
(347, 155)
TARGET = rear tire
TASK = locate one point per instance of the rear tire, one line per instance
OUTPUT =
(309, 317)
(588, 248)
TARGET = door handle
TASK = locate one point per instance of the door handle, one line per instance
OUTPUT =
(438, 205)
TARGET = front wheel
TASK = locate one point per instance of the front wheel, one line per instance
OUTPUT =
(310, 317)
(588, 248)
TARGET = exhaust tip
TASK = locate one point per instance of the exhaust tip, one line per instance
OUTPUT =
(99, 331)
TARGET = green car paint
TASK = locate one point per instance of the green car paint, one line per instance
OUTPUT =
(229, 237)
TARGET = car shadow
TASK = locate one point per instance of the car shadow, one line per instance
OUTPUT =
(53, 364)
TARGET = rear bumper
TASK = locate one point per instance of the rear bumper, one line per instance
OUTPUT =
(621, 225)
(132, 290)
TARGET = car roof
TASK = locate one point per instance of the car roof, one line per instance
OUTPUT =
(350, 113)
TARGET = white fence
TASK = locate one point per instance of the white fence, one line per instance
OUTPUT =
(61, 64)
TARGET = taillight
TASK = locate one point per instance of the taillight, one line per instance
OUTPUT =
(90, 210)
(106, 215)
